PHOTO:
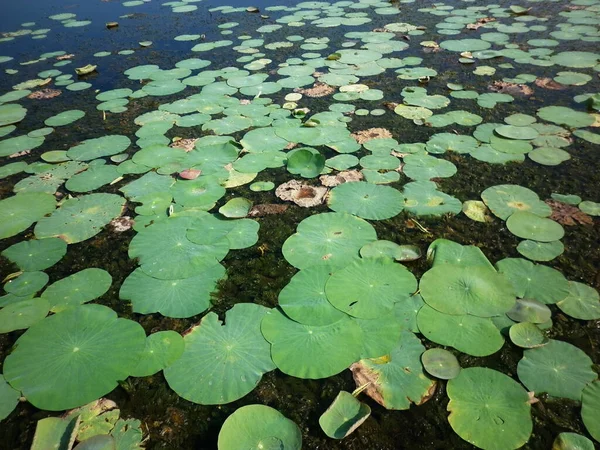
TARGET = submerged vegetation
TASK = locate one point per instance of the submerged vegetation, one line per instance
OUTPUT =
(321, 224)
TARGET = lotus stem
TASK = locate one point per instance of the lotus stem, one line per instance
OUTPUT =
(420, 227)
(359, 389)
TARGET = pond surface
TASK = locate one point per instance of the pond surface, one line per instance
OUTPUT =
(452, 98)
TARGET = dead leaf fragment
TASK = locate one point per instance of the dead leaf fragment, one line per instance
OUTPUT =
(549, 83)
(480, 22)
(45, 94)
(372, 133)
(514, 89)
(121, 224)
(267, 209)
(186, 144)
(569, 215)
(317, 90)
(301, 194)
(190, 174)
(346, 176)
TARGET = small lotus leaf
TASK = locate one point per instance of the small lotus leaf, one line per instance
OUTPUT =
(162, 349)
(9, 398)
(529, 310)
(22, 314)
(583, 302)
(540, 251)
(572, 441)
(527, 335)
(343, 416)
(440, 363)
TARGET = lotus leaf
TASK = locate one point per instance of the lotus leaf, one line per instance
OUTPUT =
(510, 146)
(529, 310)
(93, 178)
(440, 363)
(477, 211)
(305, 162)
(27, 283)
(149, 184)
(200, 193)
(423, 199)
(527, 335)
(549, 156)
(343, 416)
(442, 142)
(572, 441)
(76, 289)
(236, 208)
(389, 249)
(368, 288)
(590, 409)
(397, 380)
(489, 409)
(308, 351)
(80, 218)
(366, 200)
(558, 368)
(577, 60)
(516, 132)
(263, 140)
(20, 211)
(531, 226)
(561, 115)
(57, 432)
(591, 208)
(222, 363)
(74, 341)
(99, 147)
(425, 167)
(22, 314)
(242, 234)
(504, 200)
(476, 336)
(11, 113)
(262, 186)
(540, 251)
(583, 302)
(257, 427)
(9, 398)
(162, 349)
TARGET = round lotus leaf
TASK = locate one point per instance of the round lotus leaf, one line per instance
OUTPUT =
(368, 288)
(19, 212)
(590, 409)
(442, 142)
(510, 146)
(303, 299)
(549, 156)
(397, 380)
(331, 239)
(76, 289)
(534, 281)
(9, 398)
(55, 156)
(222, 363)
(309, 351)
(577, 60)
(529, 310)
(389, 249)
(92, 178)
(440, 363)
(527, 335)
(519, 120)
(11, 113)
(263, 140)
(12, 169)
(27, 283)
(380, 162)
(591, 208)
(200, 193)
(147, 185)
(572, 441)
(476, 336)
(99, 147)
(80, 218)
(476, 210)
(306, 162)
(422, 198)
(37, 254)
(262, 186)
(162, 349)
(516, 132)
(423, 167)
(466, 290)
(19, 144)
(64, 118)
(243, 233)
(413, 112)
(504, 200)
(570, 199)
(465, 45)
(165, 252)
(236, 208)
(77, 340)
(540, 251)
(489, 409)
(583, 302)
(258, 427)
(531, 226)
(561, 115)
(177, 298)
(444, 251)
(558, 368)
(366, 200)
(343, 416)
(22, 314)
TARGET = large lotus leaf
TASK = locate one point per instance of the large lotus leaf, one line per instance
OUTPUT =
(423, 199)
(165, 252)
(222, 363)
(422, 167)
(162, 349)
(397, 380)
(366, 200)
(343, 416)
(303, 299)
(476, 336)
(381, 335)
(576, 59)
(443, 142)
(36, 254)
(22, 314)
(237, 207)
(258, 427)
(19, 212)
(583, 302)
(27, 283)
(531, 226)
(9, 398)
(516, 132)
(243, 233)
(467, 290)
(332, 239)
(64, 118)
(561, 115)
(76, 289)
(88, 340)
(444, 251)
(558, 368)
(128, 434)
(150, 183)
(590, 409)
(11, 113)
(19, 144)
(504, 200)
(99, 147)
(178, 298)
(406, 312)
(308, 351)
(535, 281)
(92, 178)
(489, 409)
(368, 288)
(80, 218)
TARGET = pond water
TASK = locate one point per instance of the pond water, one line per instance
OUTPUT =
(471, 124)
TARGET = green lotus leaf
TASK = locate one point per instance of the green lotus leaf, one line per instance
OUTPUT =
(92, 178)
(591, 208)
(343, 416)
(200, 193)
(55, 156)
(389, 249)
(19, 212)
(527, 335)
(257, 427)
(440, 363)
(243, 233)
(11, 113)
(519, 120)
(476, 336)
(529, 310)
(422, 199)
(80, 218)
(162, 349)
(561, 115)
(534, 281)
(147, 185)
(222, 363)
(510, 146)
(74, 341)
(22, 314)
(590, 409)
(549, 156)
(305, 162)
(368, 288)
(9, 398)
(57, 432)
(12, 168)
(444, 251)
(576, 59)
(331, 239)
(27, 283)
(262, 186)
(572, 441)
(466, 290)
(366, 200)
(540, 251)
(397, 380)
(99, 147)
(558, 368)
(489, 409)
(236, 208)
(490, 155)
(527, 225)
(98, 442)
(465, 45)
(76, 289)
(64, 118)
(425, 167)
(443, 142)
(516, 132)
(413, 112)
(309, 351)
(263, 140)
(504, 200)
(583, 302)
(477, 211)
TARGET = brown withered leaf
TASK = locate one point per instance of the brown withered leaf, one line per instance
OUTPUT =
(566, 214)
(190, 174)
(346, 176)
(514, 89)
(63, 57)
(549, 83)
(317, 90)
(301, 194)
(266, 209)
(121, 224)
(371, 133)
(480, 22)
(45, 94)
(186, 144)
